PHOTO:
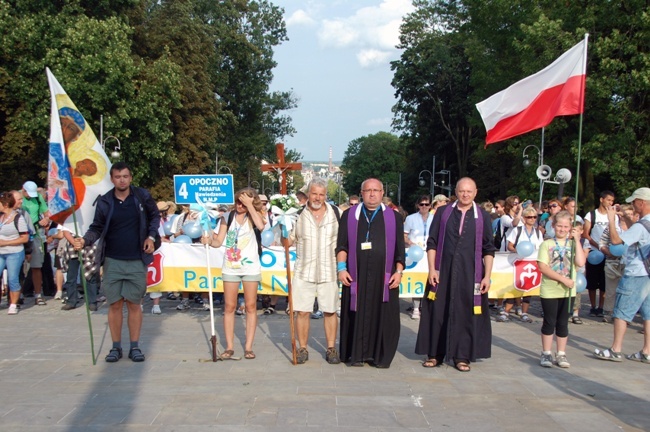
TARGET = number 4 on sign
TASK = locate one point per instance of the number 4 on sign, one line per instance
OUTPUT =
(182, 191)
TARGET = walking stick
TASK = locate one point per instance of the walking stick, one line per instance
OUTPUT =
(85, 288)
(285, 243)
(213, 338)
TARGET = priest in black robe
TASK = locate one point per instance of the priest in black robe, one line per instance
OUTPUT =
(370, 260)
(455, 319)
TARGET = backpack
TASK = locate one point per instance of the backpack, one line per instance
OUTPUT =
(29, 246)
(645, 259)
(520, 230)
(499, 235)
(337, 212)
(258, 233)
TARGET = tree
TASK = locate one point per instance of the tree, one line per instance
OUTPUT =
(379, 156)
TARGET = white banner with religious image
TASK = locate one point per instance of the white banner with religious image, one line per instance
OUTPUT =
(181, 267)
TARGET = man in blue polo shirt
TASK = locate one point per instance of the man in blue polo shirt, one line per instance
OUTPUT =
(128, 219)
(633, 290)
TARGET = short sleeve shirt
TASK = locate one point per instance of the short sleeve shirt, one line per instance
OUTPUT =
(8, 232)
(417, 229)
(241, 257)
(638, 240)
(557, 255)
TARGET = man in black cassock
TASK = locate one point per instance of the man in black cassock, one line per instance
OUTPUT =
(370, 261)
(455, 320)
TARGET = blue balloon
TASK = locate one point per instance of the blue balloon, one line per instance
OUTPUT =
(167, 227)
(618, 249)
(581, 283)
(416, 253)
(595, 257)
(267, 238)
(173, 218)
(183, 239)
(525, 249)
(53, 231)
(193, 229)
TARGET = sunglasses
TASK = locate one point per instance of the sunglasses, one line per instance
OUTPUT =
(515, 203)
(424, 204)
(530, 217)
(554, 205)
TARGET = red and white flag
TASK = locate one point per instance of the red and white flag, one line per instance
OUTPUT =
(533, 102)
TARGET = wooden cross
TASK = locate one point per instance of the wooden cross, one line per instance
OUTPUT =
(281, 167)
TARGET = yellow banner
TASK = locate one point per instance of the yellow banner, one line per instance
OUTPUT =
(182, 267)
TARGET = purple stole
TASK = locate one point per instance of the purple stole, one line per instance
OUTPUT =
(389, 229)
(478, 258)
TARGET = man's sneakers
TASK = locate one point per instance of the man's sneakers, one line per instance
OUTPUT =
(184, 305)
(155, 310)
(596, 312)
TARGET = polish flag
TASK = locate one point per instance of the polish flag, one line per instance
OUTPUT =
(533, 102)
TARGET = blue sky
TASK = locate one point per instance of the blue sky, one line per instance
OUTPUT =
(337, 62)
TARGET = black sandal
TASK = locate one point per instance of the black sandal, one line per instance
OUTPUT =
(113, 355)
(136, 355)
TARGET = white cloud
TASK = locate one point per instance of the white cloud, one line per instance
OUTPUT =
(368, 58)
(300, 17)
(373, 30)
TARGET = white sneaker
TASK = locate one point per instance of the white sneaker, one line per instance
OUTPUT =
(156, 310)
(415, 315)
(546, 360)
(562, 361)
(184, 305)
(58, 295)
(13, 310)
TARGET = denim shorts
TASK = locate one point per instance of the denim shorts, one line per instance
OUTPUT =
(632, 296)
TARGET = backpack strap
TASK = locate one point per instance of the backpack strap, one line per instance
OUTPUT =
(593, 220)
(519, 230)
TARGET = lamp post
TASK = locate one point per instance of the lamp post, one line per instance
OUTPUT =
(226, 168)
(116, 151)
(422, 182)
(257, 188)
(391, 188)
(448, 187)
(540, 161)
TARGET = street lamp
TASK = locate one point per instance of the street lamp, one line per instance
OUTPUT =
(527, 161)
(448, 187)
(391, 188)
(226, 167)
(423, 183)
(257, 188)
(116, 152)
(339, 180)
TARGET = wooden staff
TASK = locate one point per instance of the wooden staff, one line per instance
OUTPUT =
(292, 325)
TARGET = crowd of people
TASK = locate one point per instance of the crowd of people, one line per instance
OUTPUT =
(349, 262)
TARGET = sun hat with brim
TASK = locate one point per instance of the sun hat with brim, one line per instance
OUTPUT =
(641, 193)
(31, 189)
(162, 206)
(264, 198)
(440, 197)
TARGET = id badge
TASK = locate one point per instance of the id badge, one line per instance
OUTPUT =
(477, 289)
(366, 245)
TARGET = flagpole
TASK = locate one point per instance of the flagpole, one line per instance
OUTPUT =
(582, 102)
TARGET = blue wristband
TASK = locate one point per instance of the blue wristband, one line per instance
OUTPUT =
(341, 266)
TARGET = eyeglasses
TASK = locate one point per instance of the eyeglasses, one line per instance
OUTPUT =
(424, 204)
(372, 190)
(554, 205)
(530, 217)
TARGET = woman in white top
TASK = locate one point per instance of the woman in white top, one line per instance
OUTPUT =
(13, 236)
(240, 235)
(528, 232)
(510, 219)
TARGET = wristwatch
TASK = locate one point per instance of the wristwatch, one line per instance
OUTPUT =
(152, 239)
(400, 271)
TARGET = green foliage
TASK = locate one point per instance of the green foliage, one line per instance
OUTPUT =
(177, 81)
(380, 156)
(459, 53)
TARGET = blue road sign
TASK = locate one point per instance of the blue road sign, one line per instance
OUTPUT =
(212, 188)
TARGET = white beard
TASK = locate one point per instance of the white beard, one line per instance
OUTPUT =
(316, 206)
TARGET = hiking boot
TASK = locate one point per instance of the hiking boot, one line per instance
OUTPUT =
(546, 360)
(302, 356)
(332, 356)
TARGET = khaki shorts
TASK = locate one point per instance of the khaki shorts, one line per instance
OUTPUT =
(36, 261)
(124, 279)
(304, 294)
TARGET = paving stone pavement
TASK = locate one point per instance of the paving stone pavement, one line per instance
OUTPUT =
(49, 383)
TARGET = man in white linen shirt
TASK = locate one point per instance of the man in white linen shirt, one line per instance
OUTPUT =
(314, 236)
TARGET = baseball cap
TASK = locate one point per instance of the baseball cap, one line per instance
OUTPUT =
(31, 189)
(641, 193)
